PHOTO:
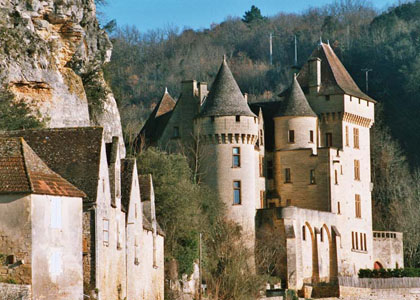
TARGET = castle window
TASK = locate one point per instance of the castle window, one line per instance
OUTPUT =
(261, 137)
(322, 234)
(364, 239)
(269, 169)
(312, 177)
(304, 232)
(236, 192)
(356, 240)
(356, 169)
(261, 166)
(176, 132)
(358, 206)
(311, 136)
(328, 139)
(347, 136)
(335, 176)
(291, 136)
(106, 232)
(236, 157)
(287, 175)
(262, 199)
(362, 245)
(352, 240)
(338, 208)
(356, 138)
(238, 118)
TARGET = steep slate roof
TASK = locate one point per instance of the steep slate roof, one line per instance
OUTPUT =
(225, 97)
(22, 171)
(296, 103)
(127, 169)
(334, 77)
(157, 120)
(74, 153)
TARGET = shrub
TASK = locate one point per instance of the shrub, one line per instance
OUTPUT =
(389, 273)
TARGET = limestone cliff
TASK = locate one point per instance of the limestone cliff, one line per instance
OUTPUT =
(51, 57)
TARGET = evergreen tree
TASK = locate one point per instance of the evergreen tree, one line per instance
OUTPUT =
(252, 15)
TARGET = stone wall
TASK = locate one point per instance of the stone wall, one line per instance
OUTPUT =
(57, 268)
(16, 238)
(15, 291)
(379, 288)
(388, 249)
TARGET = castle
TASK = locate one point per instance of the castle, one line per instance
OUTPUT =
(298, 166)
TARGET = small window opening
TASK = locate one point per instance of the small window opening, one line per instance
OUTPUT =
(238, 118)
(311, 136)
(236, 192)
(287, 175)
(312, 177)
(291, 136)
(304, 232)
(236, 157)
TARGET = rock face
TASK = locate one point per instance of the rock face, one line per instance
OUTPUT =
(51, 57)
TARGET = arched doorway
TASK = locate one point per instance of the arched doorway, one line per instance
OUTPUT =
(377, 265)
(332, 252)
(315, 263)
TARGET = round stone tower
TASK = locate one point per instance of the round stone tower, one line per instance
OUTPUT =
(228, 132)
(296, 124)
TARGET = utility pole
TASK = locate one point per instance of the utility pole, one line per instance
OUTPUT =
(366, 70)
(296, 59)
(271, 49)
(199, 269)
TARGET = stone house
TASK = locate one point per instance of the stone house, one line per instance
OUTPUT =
(41, 225)
(110, 226)
(297, 165)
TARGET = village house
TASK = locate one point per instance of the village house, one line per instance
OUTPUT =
(116, 238)
(41, 225)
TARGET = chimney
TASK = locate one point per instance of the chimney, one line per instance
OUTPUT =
(246, 97)
(314, 74)
(202, 91)
(189, 87)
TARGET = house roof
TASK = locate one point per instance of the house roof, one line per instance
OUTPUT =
(147, 218)
(334, 77)
(156, 123)
(225, 98)
(22, 171)
(127, 169)
(296, 103)
(74, 153)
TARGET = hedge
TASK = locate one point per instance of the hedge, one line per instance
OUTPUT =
(389, 273)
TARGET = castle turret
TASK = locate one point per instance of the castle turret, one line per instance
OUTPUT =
(295, 123)
(229, 131)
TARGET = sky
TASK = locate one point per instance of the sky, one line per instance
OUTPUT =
(154, 14)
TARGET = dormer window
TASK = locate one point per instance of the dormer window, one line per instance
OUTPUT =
(238, 118)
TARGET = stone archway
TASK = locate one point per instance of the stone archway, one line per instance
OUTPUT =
(377, 265)
(315, 263)
(332, 251)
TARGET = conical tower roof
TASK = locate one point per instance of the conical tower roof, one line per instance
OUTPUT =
(296, 103)
(225, 97)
